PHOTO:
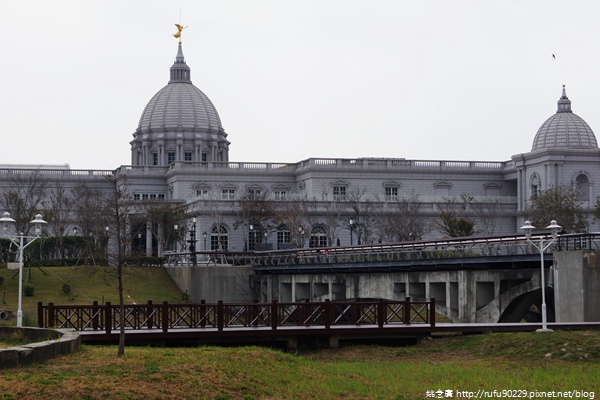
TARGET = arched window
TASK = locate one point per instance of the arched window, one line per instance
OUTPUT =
(318, 236)
(219, 238)
(583, 187)
(535, 185)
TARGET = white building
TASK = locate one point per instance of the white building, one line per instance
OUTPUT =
(180, 153)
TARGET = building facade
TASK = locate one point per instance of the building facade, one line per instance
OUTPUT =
(180, 155)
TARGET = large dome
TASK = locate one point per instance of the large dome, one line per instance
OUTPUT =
(180, 105)
(179, 124)
(564, 130)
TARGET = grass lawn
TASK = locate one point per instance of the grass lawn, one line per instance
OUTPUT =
(531, 362)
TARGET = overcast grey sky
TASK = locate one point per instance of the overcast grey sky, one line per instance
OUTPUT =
(422, 79)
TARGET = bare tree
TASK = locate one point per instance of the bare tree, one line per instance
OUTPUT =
(293, 214)
(453, 217)
(161, 217)
(363, 207)
(119, 206)
(258, 210)
(402, 221)
(487, 214)
(89, 209)
(24, 198)
(58, 212)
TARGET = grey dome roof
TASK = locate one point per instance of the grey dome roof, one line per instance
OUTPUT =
(564, 129)
(180, 105)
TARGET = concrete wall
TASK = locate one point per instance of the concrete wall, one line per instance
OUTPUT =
(52, 343)
(214, 283)
(463, 296)
(577, 286)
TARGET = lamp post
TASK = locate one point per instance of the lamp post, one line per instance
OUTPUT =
(192, 243)
(351, 223)
(528, 228)
(266, 241)
(204, 235)
(38, 221)
(301, 235)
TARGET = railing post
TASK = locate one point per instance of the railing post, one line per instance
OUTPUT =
(107, 318)
(203, 315)
(381, 313)
(432, 312)
(406, 311)
(328, 313)
(50, 315)
(220, 316)
(274, 315)
(255, 313)
(165, 316)
(304, 311)
(149, 314)
(40, 315)
(95, 315)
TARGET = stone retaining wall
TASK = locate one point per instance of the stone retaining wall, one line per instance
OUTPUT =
(52, 343)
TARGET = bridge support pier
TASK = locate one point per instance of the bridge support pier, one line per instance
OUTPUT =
(577, 286)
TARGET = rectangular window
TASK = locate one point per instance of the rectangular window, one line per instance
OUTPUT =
(187, 156)
(144, 196)
(204, 157)
(228, 194)
(339, 193)
(161, 196)
(170, 157)
(152, 196)
(280, 194)
(136, 196)
(202, 193)
(254, 193)
(283, 237)
(154, 158)
(391, 194)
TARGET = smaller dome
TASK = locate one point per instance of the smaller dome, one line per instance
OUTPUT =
(564, 129)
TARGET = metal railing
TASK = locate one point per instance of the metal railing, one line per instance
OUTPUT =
(221, 316)
(506, 245)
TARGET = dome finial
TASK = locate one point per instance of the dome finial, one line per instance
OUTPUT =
(564, 104)
(178, 34)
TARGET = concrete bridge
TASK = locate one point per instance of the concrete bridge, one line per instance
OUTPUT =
(473, 280)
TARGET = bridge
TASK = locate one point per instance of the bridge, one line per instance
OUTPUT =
(241, 323)
(473, 280)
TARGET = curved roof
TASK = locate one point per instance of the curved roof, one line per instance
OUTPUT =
(564, 129)
(180, 105)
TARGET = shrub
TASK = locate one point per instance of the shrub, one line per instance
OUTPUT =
(66, 289)
(28, 290)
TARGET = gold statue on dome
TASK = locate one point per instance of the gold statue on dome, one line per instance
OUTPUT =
(178, 34)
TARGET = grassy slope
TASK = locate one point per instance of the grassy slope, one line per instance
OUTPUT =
(88, 283)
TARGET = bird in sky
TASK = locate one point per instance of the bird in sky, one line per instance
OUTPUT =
(553, 56)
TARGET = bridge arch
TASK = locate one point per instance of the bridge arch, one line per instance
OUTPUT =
(528, 307)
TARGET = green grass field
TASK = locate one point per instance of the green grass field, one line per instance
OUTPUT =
(528, 362)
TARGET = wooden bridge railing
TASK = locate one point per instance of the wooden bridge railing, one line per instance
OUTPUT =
(168, 317)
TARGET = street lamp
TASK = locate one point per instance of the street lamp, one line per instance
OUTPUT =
(528, 228)
(301, 233)
(204, 235)
(192, 243)
(38, 221)
(351, 223)
(266, 241)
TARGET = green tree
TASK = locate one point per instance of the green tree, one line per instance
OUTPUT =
(453, 221)
(560, 203)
